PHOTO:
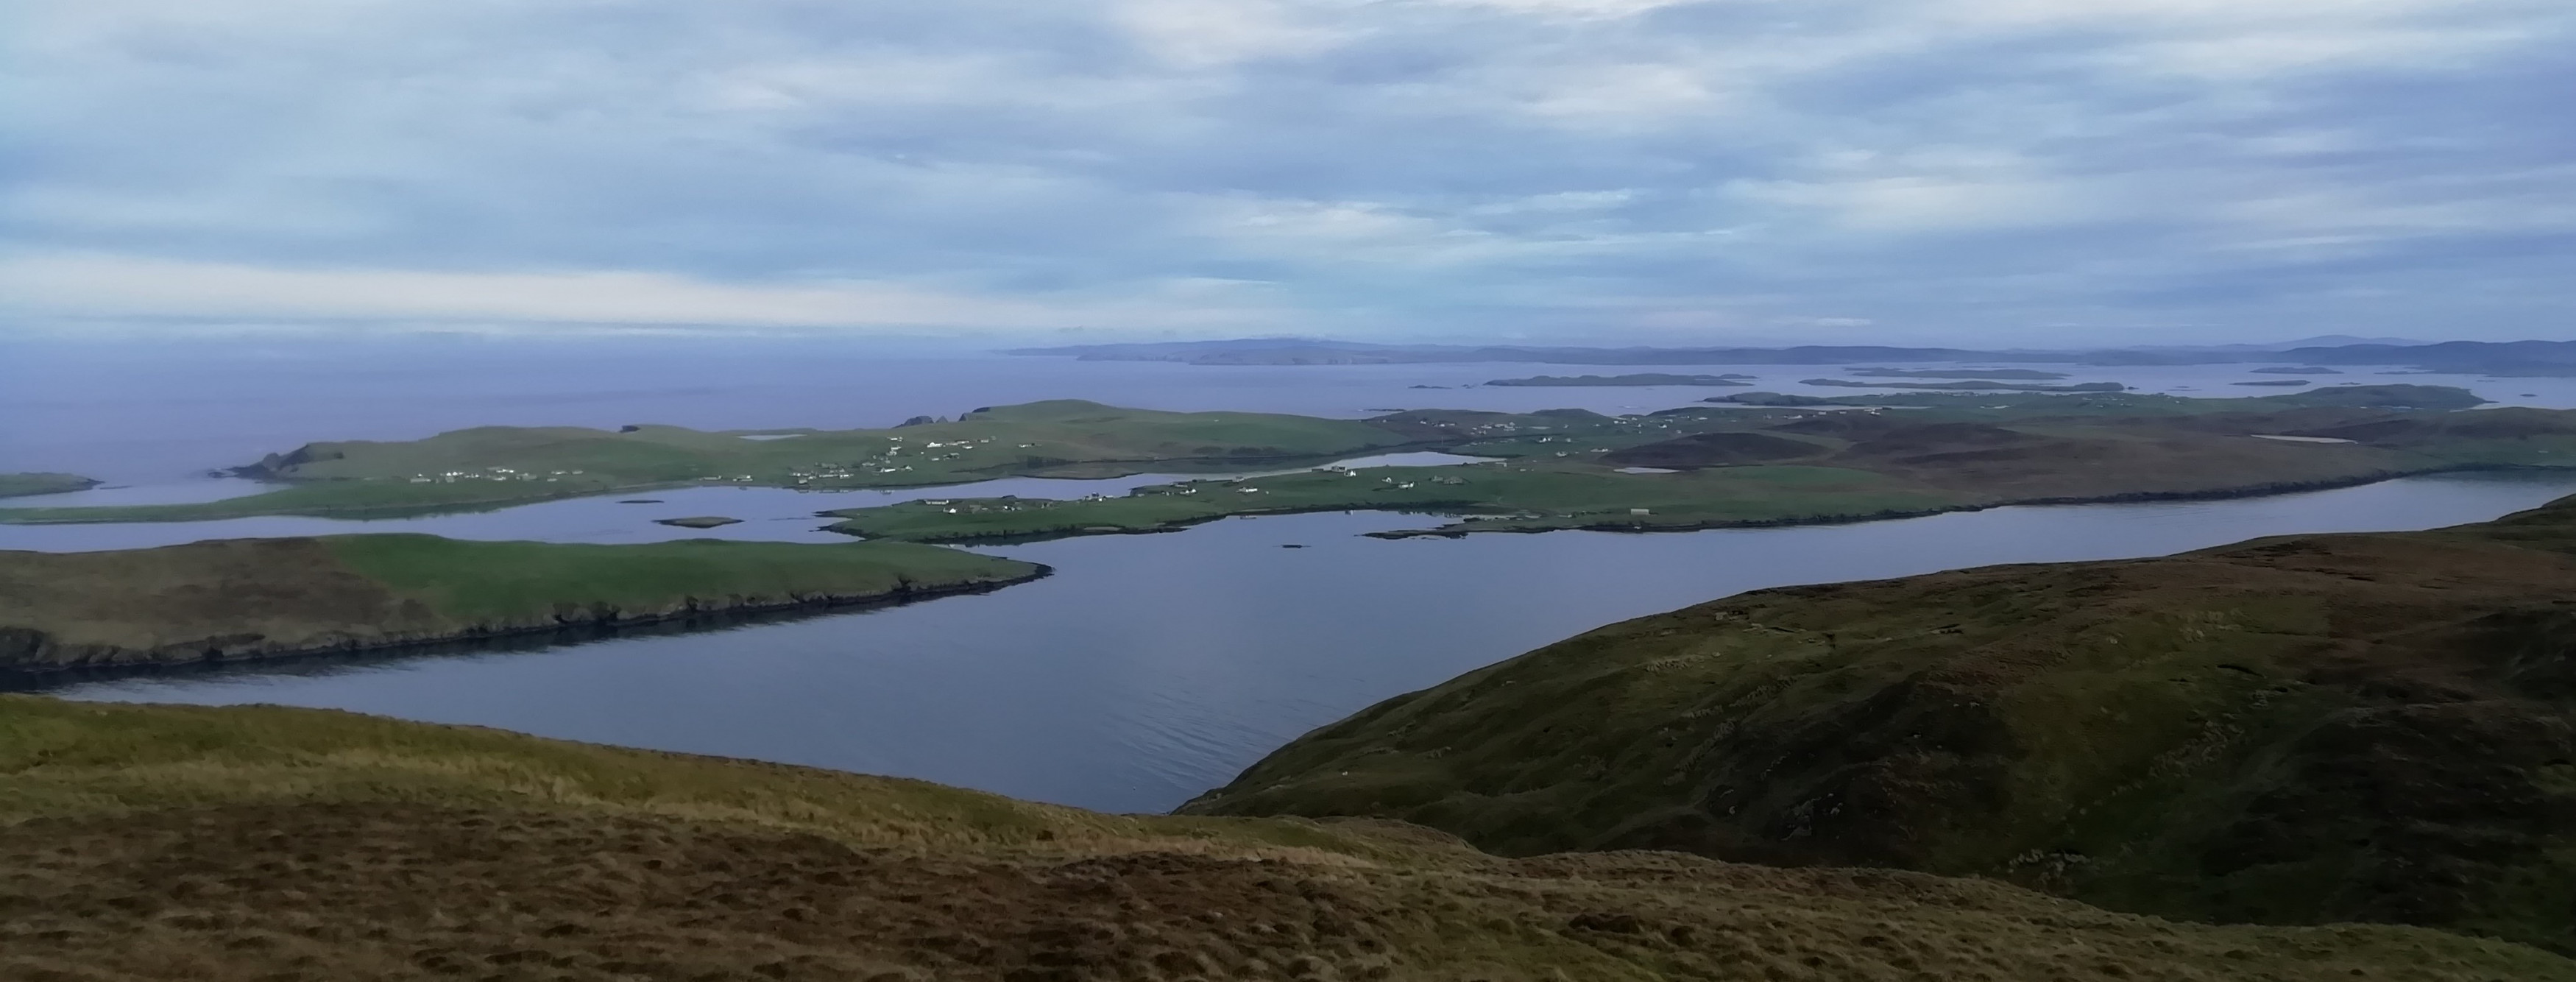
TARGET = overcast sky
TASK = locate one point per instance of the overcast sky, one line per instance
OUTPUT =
(1971, 171)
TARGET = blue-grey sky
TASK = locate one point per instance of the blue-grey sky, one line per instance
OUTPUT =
(1969, 171)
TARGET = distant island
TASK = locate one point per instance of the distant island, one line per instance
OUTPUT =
(2304, 370)
(2011, 374)
(2394, 707)
(2502, 359)
(24, 485)
(2286, 383)
(235, 599)
(1644, 378)
(698, 522)
(1980, 385)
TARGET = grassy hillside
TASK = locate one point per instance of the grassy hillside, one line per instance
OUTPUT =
(248, 598)
(147, 842)
(2294, 730)
(21, 485)
(2086, 446)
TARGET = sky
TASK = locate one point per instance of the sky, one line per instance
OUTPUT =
(2027, 172)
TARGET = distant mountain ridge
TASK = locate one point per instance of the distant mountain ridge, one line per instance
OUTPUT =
(2509, 358)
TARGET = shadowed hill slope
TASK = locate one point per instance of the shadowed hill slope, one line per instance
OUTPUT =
(254, 598)
(263, 843)
(2295, 730)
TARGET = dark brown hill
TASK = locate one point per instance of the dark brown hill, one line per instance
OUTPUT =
(257, 843)
(1714, 450)
(2295, 730)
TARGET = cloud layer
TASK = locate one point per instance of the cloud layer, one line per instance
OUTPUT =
(2015, 171)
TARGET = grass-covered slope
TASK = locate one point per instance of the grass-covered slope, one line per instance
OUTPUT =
(144, 842)
(22, 485)
(2294, 730)
(249, 598)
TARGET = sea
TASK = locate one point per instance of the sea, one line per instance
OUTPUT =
(1147, 669)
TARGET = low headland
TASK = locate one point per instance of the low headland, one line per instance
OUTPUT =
(2295, 730)
(239, 843)
(23, 485)
(236, 599)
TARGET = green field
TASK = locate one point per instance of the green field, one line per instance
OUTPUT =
(21, 485)
(2295, 730)
(252, 598)
(263, 843)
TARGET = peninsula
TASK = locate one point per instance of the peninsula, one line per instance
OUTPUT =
(262, 598)
(257, 842)
(1822, 460)
(1640, 379)
(499, 466)
(1752, 459)
(22, 485)
(2298, 730)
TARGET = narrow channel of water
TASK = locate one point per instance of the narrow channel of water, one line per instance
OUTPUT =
(1153, 667)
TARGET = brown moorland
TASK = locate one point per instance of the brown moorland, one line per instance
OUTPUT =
(258, 843)
(2294, 730)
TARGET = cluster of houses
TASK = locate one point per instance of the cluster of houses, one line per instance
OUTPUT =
(886, 462)
(491, 474)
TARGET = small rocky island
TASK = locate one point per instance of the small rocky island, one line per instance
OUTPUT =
(22, 485)
(698, 522)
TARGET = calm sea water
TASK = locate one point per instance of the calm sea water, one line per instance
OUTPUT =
(1148, 669)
